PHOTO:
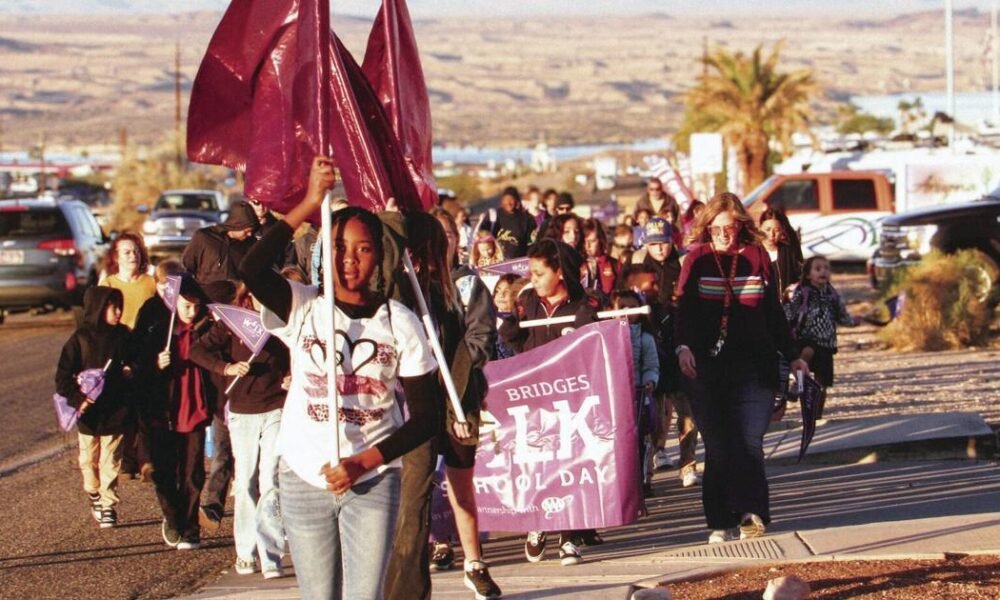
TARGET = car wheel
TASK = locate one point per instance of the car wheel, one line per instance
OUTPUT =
(986, 272)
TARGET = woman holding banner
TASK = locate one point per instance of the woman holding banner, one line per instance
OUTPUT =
(340, 541)
(730, 328)
(556, 291)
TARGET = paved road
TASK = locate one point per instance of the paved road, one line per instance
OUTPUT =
(49, 545)
(29, 351)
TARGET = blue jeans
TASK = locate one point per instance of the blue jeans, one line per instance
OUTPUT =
(732, 410)
(340, 544)
(257, 526)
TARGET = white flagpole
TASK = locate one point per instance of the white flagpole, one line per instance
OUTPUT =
(170, 330)
(606, 314)
(328, 309)
(472, 237)
(432, 338)
(233, 382)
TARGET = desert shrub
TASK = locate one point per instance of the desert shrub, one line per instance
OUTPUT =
(143, 174)
(945, 304)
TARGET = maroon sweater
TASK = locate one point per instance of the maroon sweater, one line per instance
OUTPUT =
(757, 328)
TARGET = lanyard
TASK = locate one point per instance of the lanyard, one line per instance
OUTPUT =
(727, 300)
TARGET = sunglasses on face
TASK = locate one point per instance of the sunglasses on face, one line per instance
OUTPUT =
(717, 230)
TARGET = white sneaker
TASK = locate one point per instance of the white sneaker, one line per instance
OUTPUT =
(569, 554)
(690, 478)
(662, 460)
(751, 526)
(245, 567)
(719, 536)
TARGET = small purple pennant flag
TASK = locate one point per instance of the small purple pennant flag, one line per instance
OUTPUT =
(518, 266)
(171, 292)
(245, 324)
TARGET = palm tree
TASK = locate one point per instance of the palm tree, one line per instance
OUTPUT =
(751, 103)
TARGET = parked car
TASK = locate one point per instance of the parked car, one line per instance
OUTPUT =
(50, 252)
(907, 237)
(836, 213)
(176, 215)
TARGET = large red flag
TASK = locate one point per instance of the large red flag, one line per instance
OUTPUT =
(258, 104)
(392, 65)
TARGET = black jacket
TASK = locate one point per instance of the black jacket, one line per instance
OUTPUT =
(212, 255)
(91, 347)
(258, 391)
(667, 274)
(512, 231)
(155, 391)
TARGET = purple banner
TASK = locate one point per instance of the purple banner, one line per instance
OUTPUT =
(558, 447)
(245, 324)
(171, 291)
(517, 265)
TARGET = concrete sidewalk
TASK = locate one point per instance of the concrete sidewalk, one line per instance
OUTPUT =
(820, 512)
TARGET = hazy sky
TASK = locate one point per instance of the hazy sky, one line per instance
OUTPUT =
(430, 8)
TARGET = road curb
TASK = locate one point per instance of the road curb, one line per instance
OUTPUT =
(33, 459)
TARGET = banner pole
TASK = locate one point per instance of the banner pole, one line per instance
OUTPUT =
(605, 314)
(432, 338)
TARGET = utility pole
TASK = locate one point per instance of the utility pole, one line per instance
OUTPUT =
(42, 185)
(949, 57)
(995, 45)
(177, 103)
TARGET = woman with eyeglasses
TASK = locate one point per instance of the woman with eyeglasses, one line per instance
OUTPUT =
(729, 330)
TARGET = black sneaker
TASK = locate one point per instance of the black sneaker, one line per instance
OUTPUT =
(209, 518)
(95, 506)
(190, 541)
(478, 580)
(534, 546)
(109, 518)
(170, 535)
(442, 556)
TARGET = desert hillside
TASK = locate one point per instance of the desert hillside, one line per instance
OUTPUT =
(492, 81)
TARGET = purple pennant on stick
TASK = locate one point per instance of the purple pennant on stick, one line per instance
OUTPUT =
(245, 324)
(517, 266)
(171, 292)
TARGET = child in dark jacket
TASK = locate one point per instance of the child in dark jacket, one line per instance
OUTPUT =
(99, 344)
(814, 313)
(179, 405)
(255, 404)
(554, 268)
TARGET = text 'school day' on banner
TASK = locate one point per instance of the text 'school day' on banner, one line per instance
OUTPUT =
(558, 445)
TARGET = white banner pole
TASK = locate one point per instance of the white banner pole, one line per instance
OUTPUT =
(606, 314)
(425, 317)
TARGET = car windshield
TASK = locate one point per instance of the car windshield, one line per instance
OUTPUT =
(755, 194)
(32, 223)
(204, 202)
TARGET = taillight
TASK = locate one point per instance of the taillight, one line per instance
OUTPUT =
(70, 281)
(60, 247)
